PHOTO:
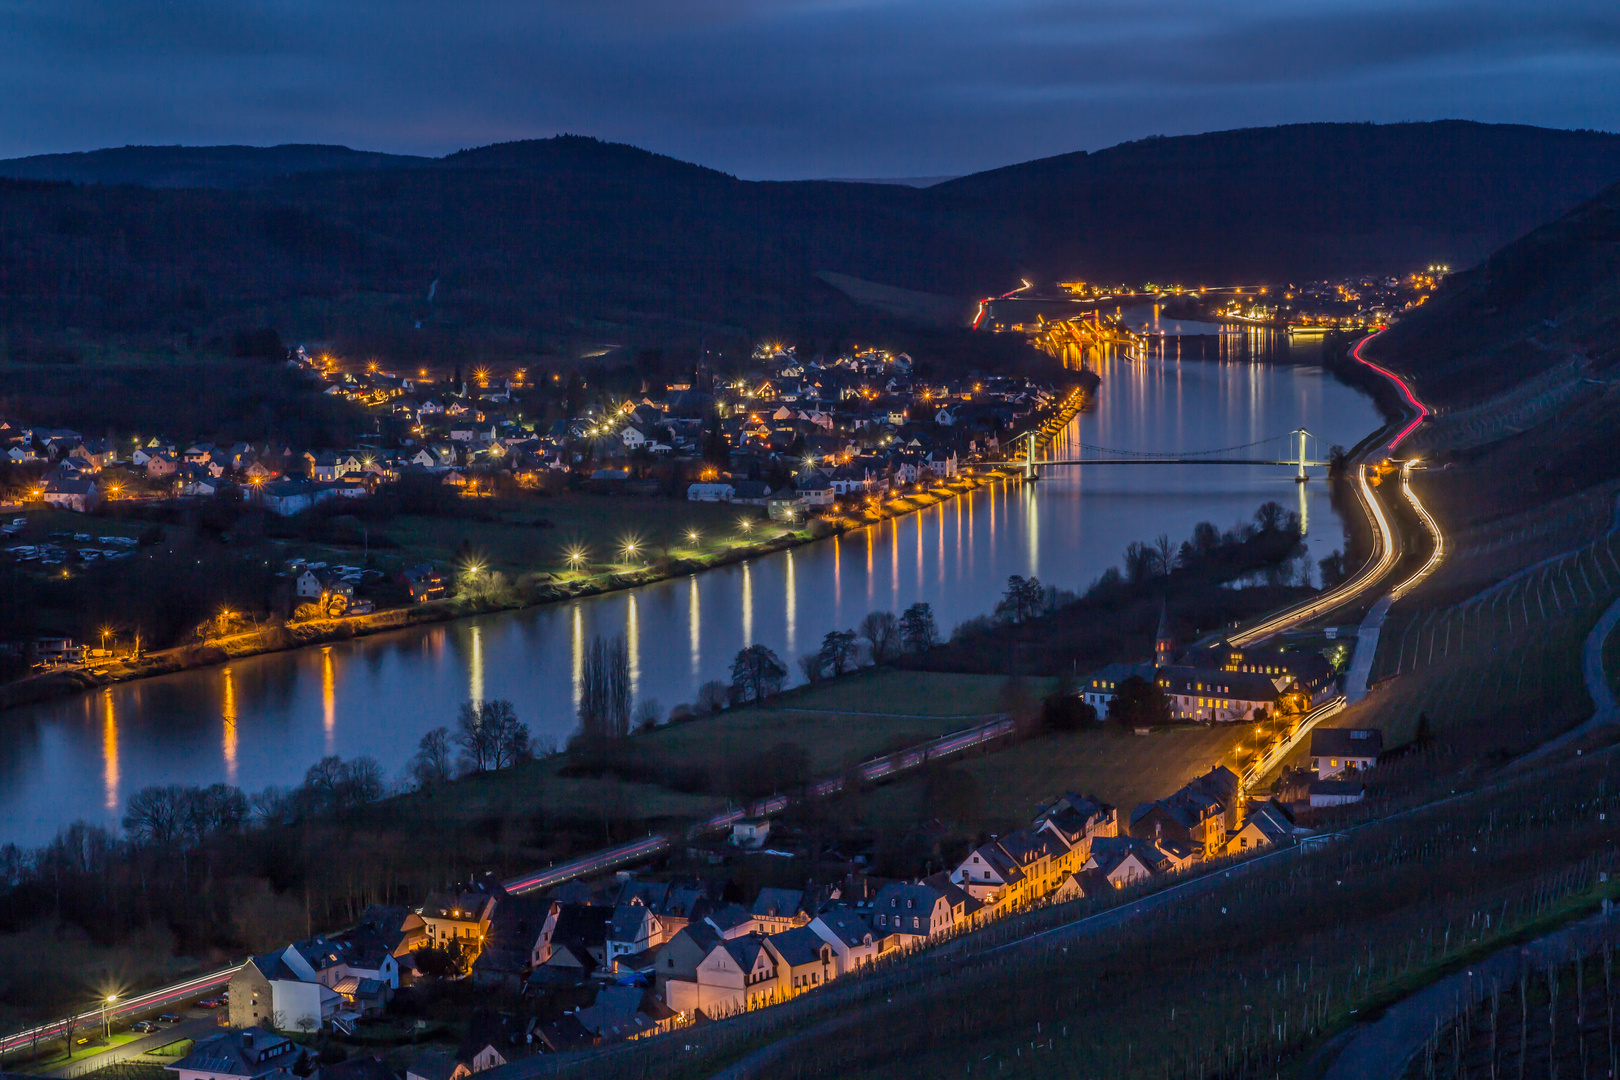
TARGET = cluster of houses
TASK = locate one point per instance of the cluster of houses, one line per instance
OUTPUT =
(852, 426)
(1220, 683)
(657, 954)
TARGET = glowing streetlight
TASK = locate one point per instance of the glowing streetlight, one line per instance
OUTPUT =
(575, 557)
(106, 1022)
(630, 548)
(746, 525)
(692, 535)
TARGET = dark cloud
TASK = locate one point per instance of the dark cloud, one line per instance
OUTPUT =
(783, 88)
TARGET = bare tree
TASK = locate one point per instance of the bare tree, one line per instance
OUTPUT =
(490, 736)
(757, 673)
(604, 702)
(918, 631)
(810, 664)
(647, 714)
(712, 696)
(1140, 562)
(432, 764)
(838, 651)
(1165, 553)
(882, 631)
(156, 815)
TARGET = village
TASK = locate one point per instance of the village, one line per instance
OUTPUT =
(782, 444)
(631, 956)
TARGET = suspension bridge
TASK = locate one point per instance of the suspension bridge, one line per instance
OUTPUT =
(1290, 450)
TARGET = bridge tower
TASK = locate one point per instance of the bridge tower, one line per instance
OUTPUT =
(1300, 477)
(1030, 472)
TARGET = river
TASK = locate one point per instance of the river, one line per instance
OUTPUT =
(262, 721)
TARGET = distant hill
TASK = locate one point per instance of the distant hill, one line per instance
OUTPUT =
(1284, 203)
(1550, 295)
(198, 166)
(541, 245)
(1522, 355)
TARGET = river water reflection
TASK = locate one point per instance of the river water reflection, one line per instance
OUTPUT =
(264, 720)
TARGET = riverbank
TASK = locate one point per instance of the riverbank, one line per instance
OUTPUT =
(571, 585)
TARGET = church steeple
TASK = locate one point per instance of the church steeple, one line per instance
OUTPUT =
(1164, 643)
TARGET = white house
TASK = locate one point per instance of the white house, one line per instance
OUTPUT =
(751, 832)
(711, 492)
(853, 943)
(73, 493)
(737, 974)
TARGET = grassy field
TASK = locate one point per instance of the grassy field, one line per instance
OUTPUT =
(846, 720)
(1105, 761)
(96, 1045)
(500, 817)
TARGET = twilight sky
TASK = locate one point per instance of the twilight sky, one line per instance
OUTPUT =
(773, 89)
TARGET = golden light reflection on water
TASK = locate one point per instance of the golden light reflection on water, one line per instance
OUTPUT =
(694, 624)
(109, 749)
(632, 635)
(577, 641)
(747, 605)
(328, 698)
(475, 665)
(792, 611)
(894, 560)
(1032, 531)
(871, 548)
(227, 710)
(838, 569)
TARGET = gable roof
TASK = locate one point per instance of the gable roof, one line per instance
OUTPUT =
(847, 926)
(432, 1065)
(781, 903)
(798, 946)
(744, 950)
(250, 1052)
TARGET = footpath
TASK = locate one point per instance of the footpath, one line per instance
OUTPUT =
(1383, 1048)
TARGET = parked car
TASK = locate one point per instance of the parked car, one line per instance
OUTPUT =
(143, 1026)
(210, 1003)
(169, 1018)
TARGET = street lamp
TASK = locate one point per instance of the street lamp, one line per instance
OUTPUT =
(692, 535)
(106, 1022)
(631, 547)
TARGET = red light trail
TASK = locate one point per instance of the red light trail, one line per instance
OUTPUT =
(1422, 409)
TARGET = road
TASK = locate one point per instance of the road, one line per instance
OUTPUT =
(1386, 553)
(195, 1029)
(1387, 549)
(1383, 1048)
(1355, 680)
(134, 1008)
